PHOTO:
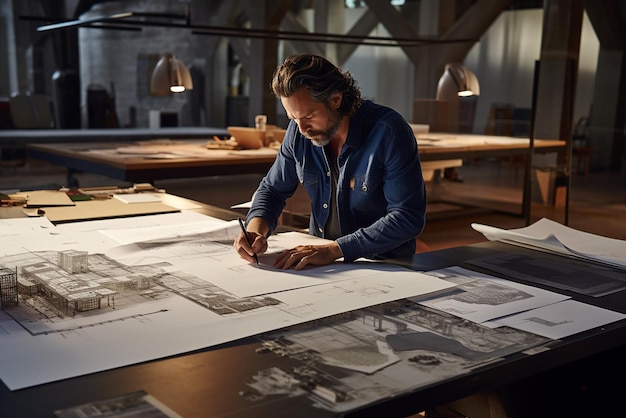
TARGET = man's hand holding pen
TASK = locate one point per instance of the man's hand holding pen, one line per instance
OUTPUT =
(250, 243)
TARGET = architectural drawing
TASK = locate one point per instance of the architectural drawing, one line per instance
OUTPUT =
(547, 323)
(477, 291)
(352, 359)
(135, 404)
(8, 287)
(122, 302)
(480, 297)
(50, 286)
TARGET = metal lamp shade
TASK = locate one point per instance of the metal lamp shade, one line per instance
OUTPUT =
(170, 76)
(457, 80)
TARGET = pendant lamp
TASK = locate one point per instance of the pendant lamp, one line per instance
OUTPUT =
(457, 80)
(170, 76)
(458, 87)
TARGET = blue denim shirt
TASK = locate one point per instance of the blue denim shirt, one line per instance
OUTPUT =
(381, 195)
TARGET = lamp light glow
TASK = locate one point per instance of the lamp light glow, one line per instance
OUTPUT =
(170, 76)
(466, 93)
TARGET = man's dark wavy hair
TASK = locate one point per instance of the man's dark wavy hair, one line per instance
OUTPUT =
(320, 77)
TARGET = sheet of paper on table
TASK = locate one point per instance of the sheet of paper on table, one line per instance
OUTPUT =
(181, 278)
(548, 235)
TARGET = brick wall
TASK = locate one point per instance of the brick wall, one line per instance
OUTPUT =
(126, 59)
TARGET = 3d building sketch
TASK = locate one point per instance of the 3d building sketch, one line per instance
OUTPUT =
(54, 285)
(8, 287)
(74, 261)
(73, 283)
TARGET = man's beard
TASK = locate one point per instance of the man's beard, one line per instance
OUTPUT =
(322, 138)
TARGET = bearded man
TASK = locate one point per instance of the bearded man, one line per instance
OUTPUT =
(358, 162)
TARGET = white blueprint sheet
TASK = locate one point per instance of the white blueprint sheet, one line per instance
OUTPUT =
(18, 226)
(216, 261)
(480, 297)
(560, 320)
(171, 321)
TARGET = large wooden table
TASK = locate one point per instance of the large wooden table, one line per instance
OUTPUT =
(134, 161)
(434, 146)
(152, 160)
(139, 161)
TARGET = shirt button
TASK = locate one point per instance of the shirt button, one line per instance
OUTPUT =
(320, 229)
(364, 187)
(325, 206)
(328, 174)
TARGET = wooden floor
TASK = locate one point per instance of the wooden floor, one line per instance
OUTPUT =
(596, 205)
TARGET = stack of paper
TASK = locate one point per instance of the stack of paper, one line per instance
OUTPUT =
(551, 236)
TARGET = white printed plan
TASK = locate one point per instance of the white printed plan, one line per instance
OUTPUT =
(480, 297)
(561, 319)
(119, 303)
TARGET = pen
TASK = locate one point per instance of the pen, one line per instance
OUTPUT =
(243, 229)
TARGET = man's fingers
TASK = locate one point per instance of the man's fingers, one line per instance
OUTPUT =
(244, 254)
(246, 251)
(293, 257)
(259, 245)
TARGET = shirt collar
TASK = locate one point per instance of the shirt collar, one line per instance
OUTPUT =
(356, 134)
